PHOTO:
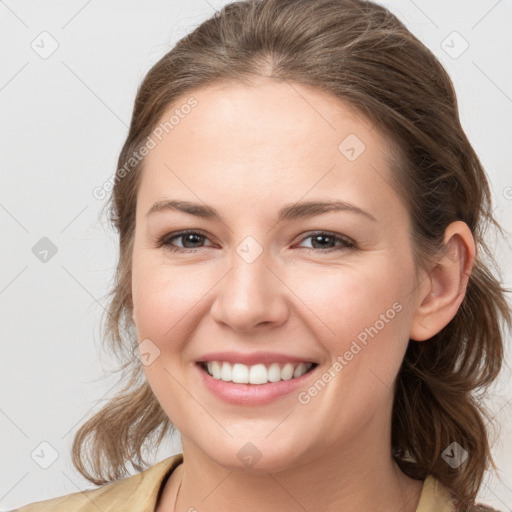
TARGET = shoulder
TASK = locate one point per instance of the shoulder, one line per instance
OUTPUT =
(435, 496)
(134, 493)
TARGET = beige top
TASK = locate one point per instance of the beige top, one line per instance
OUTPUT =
(140, 493)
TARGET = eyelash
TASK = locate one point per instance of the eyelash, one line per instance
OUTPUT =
(166, 241)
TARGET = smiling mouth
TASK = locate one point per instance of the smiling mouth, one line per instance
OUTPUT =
(239, 373)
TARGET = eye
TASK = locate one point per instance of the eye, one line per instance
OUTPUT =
(190, 239)
(326, 242)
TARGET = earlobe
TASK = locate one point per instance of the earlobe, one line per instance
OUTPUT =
(445, 285)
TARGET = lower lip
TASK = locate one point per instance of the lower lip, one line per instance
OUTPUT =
(251, 394)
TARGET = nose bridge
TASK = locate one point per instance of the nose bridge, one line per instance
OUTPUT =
(250, 293)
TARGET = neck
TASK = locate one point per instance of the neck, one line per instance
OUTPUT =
(358, 477)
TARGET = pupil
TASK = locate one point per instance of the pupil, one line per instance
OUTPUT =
(188, 238)
(322, 238)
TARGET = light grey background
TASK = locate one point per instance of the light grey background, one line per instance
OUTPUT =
(64, 119)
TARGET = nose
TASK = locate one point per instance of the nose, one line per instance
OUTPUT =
(251, 296)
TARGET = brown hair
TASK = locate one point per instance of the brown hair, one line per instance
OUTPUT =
(361, 53)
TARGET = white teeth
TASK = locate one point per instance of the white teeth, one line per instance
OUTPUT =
(225, 372)
(215, 371)
(274, 372)
(287, 371)
(240, 374)
(300, 370)
(256, 374)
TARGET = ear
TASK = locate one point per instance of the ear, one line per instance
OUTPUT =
(443, 289)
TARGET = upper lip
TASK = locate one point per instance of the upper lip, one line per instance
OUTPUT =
(253, 358)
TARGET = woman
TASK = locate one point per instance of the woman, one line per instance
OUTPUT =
(301, 273)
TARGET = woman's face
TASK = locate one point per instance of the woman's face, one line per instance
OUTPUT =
(270, 281)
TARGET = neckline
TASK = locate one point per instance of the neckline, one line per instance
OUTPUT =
(433, 494)
(174, 461)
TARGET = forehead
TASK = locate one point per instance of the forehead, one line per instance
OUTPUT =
(262, 137)
(266, 112)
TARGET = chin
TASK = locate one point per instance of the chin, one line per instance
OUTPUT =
(264, 456)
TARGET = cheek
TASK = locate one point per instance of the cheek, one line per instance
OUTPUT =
(364, 313)
(354, 296)
(167, 307)
(166, 298)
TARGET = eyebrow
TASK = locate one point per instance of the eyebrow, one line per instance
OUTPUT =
(287, 212)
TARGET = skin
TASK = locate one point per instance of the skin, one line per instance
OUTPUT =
(247, 151)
